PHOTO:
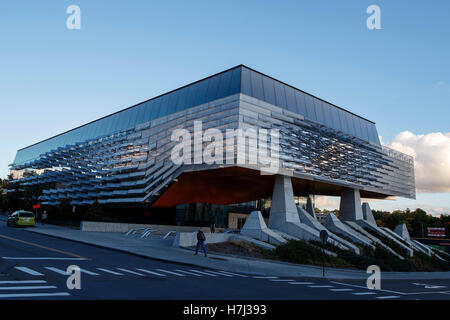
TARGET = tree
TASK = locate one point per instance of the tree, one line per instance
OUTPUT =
(94, 213)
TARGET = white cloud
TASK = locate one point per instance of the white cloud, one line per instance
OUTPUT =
(326, 202)
(431, 154)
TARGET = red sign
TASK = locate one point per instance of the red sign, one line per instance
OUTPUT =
(36, 206)
(436, 232)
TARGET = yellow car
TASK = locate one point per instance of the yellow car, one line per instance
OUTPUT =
(21, 218)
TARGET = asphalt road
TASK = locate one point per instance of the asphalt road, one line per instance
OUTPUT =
(32, 266)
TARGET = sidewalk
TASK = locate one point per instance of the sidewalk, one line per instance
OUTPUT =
(156, 248)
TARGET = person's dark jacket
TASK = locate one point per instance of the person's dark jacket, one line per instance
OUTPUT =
(201, 236)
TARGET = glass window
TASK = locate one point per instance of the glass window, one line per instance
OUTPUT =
(181, 101)
(140, 113)
(201, 92)
(310, 108)
(269, 91)
(246, 87)
(301, 106)
(257, 85)
(192, 92)
(280, 95)
(290, 99)
(213, 87)
(357, 126)
(163, 108)
(235, 84)
(147, 111)
(351, 124)
(173, 97)
(335, 117)
(342, 120)
(224, 85)
(319, 111)
(364, 129)
(156, 105)
(374, 134)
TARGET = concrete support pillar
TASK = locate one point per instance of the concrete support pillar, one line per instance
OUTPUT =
(350, 207)
(283, 207)
(310, 207)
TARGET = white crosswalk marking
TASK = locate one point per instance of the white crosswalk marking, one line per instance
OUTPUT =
(341, 290)
(171, 272)
(62, 272)
(29, 295)
(363, 293)
(233, 274)
(205, 273)
(152, 272)
(28, 288)
(29, 271)
(388, 297)
(264, 277)
(187, 272)
(22, 281)
(129, 271)
(89, 272)
(320, 286)
(295, 282)
(220, 274)
(110, 271)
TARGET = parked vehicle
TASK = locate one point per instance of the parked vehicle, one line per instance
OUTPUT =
(21, 218)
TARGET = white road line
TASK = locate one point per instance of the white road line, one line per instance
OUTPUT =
(233, 274)
(58, 271)
(28, 288)
(341, 290)
(40, 258)
(152, 272)
(129, 271)
(89, 272)
(171, 272)
(110, 271)
(388, 297)
(187, 272)
(363, 293)
(22, 281)
(282, 280)
(28, 295)
(29, 271)
(221, 274)
(263, 277)
(205, 273)
(361, 287)
(320, 286)
(295, 282)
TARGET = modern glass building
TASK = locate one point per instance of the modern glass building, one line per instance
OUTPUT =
(124, 158)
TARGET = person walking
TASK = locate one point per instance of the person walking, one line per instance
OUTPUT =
(200, 242)
(44, 217)
(213, 227)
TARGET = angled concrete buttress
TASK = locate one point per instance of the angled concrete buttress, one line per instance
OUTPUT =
(350, 206)
(367, 214)
(402, 231)
(256, 228)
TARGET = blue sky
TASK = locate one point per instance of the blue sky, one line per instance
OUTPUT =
(53, 79)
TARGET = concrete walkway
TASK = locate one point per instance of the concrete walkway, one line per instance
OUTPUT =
(156, 248)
